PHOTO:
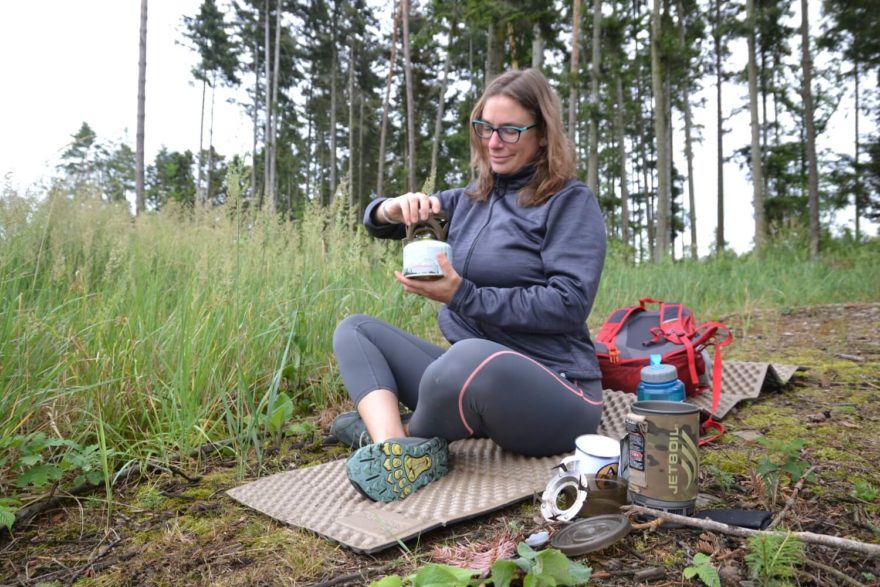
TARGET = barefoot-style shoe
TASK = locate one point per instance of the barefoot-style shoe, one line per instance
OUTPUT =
(349, 429)
(394, 469)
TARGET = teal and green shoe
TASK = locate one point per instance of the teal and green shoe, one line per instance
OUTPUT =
(349, 429)
(396, 468)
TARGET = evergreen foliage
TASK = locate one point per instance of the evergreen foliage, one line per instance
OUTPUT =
(314, 76)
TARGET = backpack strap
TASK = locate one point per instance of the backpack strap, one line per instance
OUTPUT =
(676, 322)
(677, 326)
(645, 301)
(607, 335)
(709, 339)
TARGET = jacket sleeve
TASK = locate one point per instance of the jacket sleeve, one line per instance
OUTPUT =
(448, 201)
(392, 231)
(573, 254)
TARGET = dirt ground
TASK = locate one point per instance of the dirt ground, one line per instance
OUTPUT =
(167, 529)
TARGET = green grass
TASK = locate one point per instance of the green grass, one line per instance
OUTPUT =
(183, 327)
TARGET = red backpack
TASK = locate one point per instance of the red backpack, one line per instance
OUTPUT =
(632, 334)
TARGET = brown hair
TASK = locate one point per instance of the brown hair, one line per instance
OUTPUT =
(555, 161)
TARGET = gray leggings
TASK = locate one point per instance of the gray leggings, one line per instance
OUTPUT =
(474, 389)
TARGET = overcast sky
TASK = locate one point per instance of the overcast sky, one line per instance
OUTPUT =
(75, 61)
(66, 62)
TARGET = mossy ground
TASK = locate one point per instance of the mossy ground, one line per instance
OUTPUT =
(165, 530)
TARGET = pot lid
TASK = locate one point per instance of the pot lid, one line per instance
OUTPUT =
(590, 534)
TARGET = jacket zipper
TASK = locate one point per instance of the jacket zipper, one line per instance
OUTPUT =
(467, 259)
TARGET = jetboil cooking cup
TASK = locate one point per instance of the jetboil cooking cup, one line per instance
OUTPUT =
(424, 240)
(660, 455)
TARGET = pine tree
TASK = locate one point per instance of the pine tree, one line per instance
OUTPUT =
(813, 181)
(218, 56)
(141, 111)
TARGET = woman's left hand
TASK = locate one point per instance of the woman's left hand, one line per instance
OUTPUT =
(439, 290)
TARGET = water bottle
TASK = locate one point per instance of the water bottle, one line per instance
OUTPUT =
(660, 382)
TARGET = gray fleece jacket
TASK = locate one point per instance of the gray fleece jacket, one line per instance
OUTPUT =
(529, 274)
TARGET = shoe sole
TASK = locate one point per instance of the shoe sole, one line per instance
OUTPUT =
(390, 470)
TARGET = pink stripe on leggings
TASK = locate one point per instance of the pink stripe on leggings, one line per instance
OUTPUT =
(485, 362)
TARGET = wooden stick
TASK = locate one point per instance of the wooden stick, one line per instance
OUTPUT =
(791, 499)
(871, 550)
(832, 571)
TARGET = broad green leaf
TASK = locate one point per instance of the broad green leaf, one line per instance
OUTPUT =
(282, 413)
(526, 551)
(442, 576)
(795, 469)
(30, 460)
(8, 506)
(301, 428)
(765, 466)
(503, 572)
(532, 580)
(90, 477)
(709, 576)
(39, 476)
(7, 517)
(551, 563)
(580, 573)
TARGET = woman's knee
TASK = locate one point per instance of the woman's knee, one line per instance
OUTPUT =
(348, 327)
(448, 376)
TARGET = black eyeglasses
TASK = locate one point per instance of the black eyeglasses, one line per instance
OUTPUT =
(506, 132)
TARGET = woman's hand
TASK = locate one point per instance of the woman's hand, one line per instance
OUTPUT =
(409, 208)
(439, 290)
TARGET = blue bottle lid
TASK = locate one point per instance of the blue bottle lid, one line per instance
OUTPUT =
(659, 373)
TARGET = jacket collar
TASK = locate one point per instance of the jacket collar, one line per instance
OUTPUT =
(516, 180)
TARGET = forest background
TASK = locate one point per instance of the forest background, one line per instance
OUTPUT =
(715, 88)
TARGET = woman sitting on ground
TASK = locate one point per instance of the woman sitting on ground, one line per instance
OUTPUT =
(528, 247)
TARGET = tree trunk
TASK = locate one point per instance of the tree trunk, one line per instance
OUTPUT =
(273, 162)
(140, 200)
(757, 170)
(660, 131)
(688, 135)
(494, 51)
(351, 198)
(383, 131)
(595, 72)
(857, 197)
(537, 47)
(813, 174)
(334, 58)
(200, 183)
(644, 153)
(719, 78)
(360, 165)
(621, 153)
(573, 69)
(256, 120)
(441, 102)
(210, 170)
(267, 138)
(311, 148)
(763, 91)
(410, 101)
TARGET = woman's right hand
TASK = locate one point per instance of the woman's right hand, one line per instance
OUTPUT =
(409, 208)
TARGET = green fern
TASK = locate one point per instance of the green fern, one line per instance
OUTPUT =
(772, 557)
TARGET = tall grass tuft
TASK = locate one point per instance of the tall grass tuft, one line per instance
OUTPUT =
(185, 326)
